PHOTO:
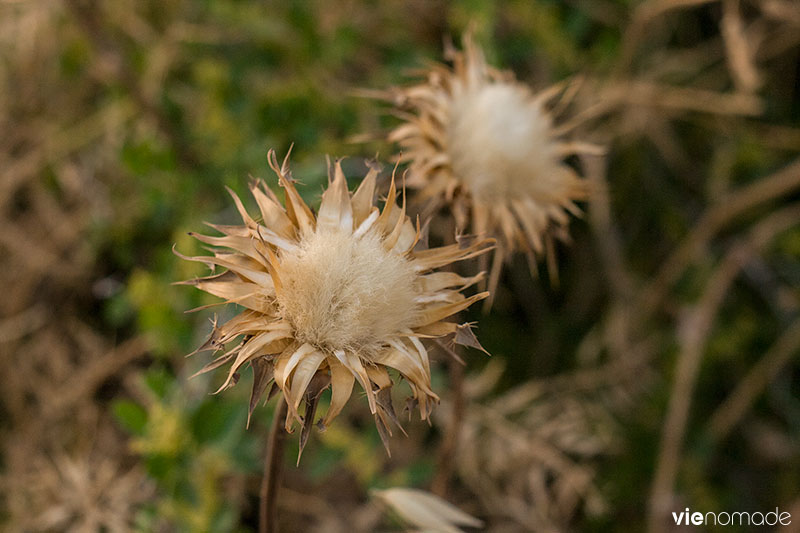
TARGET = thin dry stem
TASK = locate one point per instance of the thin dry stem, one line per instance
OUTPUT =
(645, 13)
(449, 445)
(740, 50)
(604, 229)
(748, 389)
(693, 335)
(273, 461)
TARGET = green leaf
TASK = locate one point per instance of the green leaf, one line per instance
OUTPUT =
(159, 381)
(131, 415)
(159, 466)
(218, 421)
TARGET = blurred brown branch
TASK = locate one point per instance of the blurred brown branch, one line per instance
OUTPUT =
(725, 211)
(644, 14)
(747, 390)
(694, 329)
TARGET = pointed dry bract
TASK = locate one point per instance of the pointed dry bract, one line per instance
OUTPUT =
(332, 299)
(484, 145)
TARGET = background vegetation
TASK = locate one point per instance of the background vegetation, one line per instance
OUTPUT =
(660, 372)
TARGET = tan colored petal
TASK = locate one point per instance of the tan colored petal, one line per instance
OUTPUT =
(306, 367)
(425, 260)
(353, 363)
(245, 245)
(242, 268)
(292, 361)
(273, 215)
(391, 239)
(436, 281)
(362, 201)
(434, 314)
(341, 388)
(399, 358)
(296, 209)
(231, 288)
(335, 211)
(253, 347)
(384, 220)
(378, 376)
(262, 376)
(437, 329)
(248, 221)
(367, 224)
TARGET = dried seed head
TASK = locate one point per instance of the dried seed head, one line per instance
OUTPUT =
(334, 298)
(341, 293)
(499, 144)
(485, 146)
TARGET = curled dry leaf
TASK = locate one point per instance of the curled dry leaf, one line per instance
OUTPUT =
(426, 511)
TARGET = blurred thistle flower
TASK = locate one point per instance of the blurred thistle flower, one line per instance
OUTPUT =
(485, 146)
(330, 299)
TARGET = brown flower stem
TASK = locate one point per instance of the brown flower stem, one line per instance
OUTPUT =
(449, 444)
(273, 460)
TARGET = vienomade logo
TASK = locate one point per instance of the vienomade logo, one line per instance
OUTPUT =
(696, 518)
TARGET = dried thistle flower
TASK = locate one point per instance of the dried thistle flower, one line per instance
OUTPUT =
(333, 298)
(485, 146)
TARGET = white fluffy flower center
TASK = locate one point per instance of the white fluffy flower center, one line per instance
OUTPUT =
(341, 292)
(499, 141)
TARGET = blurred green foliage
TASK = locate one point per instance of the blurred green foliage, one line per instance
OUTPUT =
(190, 447)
